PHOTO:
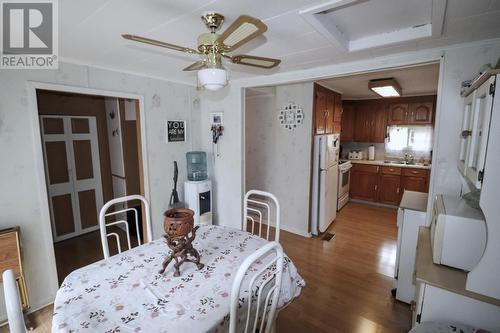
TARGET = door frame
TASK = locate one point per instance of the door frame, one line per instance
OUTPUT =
(32, 87)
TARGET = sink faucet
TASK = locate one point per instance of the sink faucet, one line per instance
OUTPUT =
(409, 159)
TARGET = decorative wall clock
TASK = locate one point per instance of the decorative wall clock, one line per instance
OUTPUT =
(291, 116)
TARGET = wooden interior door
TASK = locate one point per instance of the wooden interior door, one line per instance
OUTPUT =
(73, 172)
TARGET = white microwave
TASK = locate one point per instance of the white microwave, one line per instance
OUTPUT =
(458, 233)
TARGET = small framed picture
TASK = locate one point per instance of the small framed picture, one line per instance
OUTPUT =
(217, 118)
(176, 131)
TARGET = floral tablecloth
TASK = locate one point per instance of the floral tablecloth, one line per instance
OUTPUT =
(126, 294)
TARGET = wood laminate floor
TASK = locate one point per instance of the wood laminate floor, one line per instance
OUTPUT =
(349, 278)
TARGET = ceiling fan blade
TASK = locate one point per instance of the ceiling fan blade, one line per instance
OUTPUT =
(160, 43)
(195, 66)
(248, 60)
(241, 31)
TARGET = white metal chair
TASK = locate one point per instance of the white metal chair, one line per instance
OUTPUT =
(103, 225)
(15, 315)
(257, 202)
(261, 314)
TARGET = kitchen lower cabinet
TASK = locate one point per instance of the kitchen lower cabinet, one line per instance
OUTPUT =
(386, 184)
(415, 180)
(364, 182)
(390, 189)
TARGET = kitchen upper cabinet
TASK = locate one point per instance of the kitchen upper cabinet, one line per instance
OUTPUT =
(390, 189)
(348, 116)
(320, 111)
(370, 123)
(411, 111)
(378, 128)
(327, 111)
(362, 123)
(337, 108)
(330, 101)
(398, 114)
(421, 113)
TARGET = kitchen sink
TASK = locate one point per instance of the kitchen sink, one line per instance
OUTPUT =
(406, 163)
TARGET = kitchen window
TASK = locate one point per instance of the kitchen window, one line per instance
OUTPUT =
(415, 139)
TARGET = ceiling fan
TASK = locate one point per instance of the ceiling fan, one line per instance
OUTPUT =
(214, 47)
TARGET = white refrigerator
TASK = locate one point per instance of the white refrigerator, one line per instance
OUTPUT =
(324, 183)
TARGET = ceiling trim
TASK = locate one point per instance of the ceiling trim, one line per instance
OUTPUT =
(437, 17)
(412, 58)
(326, 26)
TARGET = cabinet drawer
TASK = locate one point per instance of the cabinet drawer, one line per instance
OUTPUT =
(415, 172)
(365, 168)
(387, 170)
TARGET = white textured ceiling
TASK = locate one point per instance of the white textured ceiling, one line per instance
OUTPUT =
(90, 33)
(414, 81)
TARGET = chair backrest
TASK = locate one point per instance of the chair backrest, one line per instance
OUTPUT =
(103, 225)
(13, 303)
(255, 204)
(261, 294)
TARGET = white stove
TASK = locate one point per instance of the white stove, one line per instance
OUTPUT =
(343, 183)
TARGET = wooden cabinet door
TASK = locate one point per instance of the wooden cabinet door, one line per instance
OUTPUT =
(398, 114)
(378, 126)
(364, 186)
(337, 108)
(361, 124)
(347, 123)
(390, 189)
(320, 111)
(415, 183)
(421, 113)
(330, 101)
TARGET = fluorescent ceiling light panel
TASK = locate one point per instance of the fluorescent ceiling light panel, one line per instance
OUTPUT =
(385, 87)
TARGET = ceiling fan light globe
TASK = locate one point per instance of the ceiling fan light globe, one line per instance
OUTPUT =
(213, 78)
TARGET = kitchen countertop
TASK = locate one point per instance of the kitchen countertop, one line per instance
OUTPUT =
(382, 163)
(440, 276)
(414, 201)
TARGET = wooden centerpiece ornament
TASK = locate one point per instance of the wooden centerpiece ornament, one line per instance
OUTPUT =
(178, 224)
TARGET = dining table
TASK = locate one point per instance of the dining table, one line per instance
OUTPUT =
(126, 293)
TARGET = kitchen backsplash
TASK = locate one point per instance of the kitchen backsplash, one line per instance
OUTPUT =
(380, 151)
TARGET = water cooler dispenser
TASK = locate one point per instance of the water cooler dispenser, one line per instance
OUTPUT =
(198, 189)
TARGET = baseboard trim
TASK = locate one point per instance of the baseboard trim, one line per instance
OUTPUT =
(371, 203)
(296, 231)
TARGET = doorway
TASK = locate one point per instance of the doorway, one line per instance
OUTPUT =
(92, 151)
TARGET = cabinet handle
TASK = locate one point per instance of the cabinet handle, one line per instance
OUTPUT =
(466, 134)
(376, 186)
(397, 190)
(414, 172)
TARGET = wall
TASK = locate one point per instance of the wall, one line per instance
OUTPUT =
(226, 169)
(279, 160)
(20, 203)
